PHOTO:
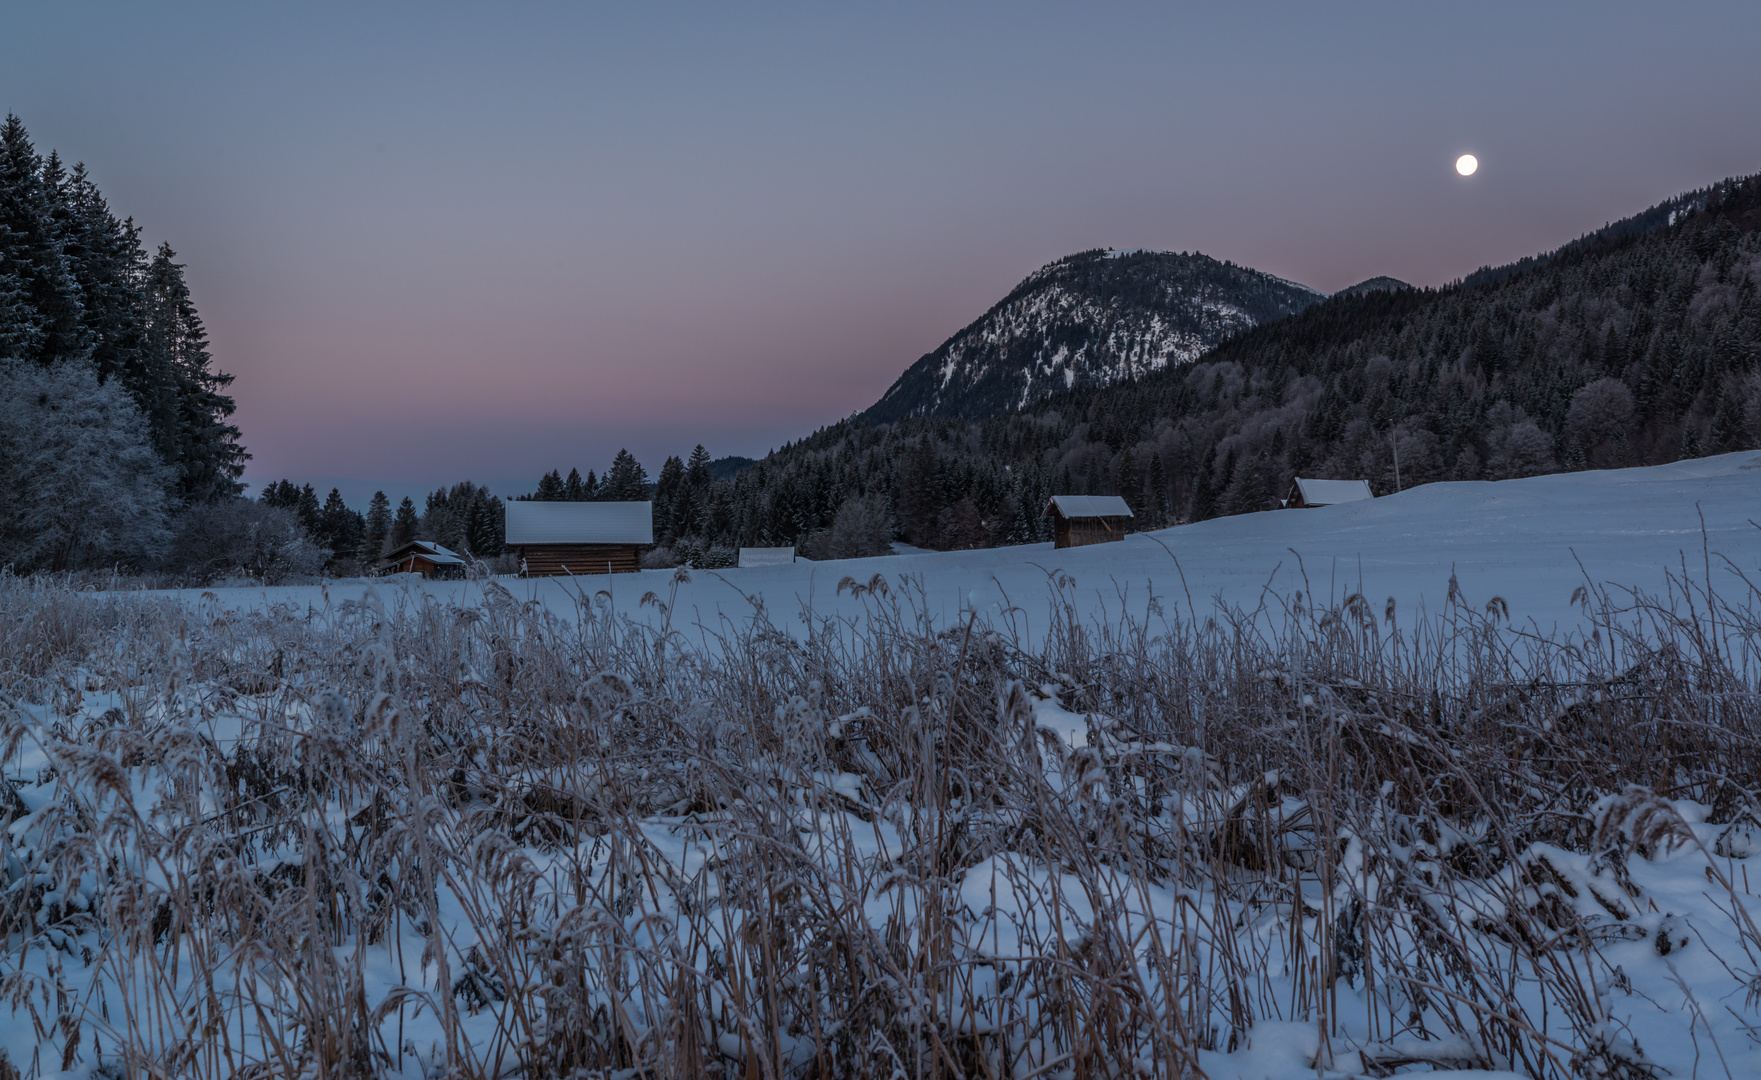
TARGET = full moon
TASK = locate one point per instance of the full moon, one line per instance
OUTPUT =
(1466, 164)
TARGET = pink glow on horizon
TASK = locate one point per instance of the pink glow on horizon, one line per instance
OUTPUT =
(435, 243)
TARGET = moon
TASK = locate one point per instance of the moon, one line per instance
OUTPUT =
(1467, 164)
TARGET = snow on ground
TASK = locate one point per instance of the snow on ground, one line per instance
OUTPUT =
(1531, 542)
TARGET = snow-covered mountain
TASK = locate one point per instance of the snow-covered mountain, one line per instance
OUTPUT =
(1094, 318)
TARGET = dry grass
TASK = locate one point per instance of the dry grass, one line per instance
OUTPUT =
(498, 840)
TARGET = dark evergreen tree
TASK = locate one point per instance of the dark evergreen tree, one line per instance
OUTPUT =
(1729, 431)
(405, 525)
(551, 488)
(377, 527)
(197, 437)
(625, 481)
(311, 511)
(340, 528)
(484, 526)
(697, 467)
(574, 488)
(46, 318)
(669, 492)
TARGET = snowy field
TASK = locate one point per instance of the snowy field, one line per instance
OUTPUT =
(1531, 542)
(1128, 810)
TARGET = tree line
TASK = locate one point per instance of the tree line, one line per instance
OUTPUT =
(114, 421)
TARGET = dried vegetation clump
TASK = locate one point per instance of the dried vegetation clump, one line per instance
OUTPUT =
(395, 836)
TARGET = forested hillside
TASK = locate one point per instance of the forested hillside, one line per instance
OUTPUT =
(1637, 345)
(112, 415)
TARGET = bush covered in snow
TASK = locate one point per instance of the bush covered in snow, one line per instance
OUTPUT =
(80, 484)
(241, 538)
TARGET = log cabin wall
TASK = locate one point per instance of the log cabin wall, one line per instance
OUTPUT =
(1080, 532)
(554, 560)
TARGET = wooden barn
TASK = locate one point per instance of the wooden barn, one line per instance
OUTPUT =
(574, 538)
(1087, 519)
(421, 557)
(1310, 493)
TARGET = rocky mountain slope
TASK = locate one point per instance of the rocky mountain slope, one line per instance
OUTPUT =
(1092, 319)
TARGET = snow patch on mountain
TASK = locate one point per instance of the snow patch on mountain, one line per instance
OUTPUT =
(1089, 320)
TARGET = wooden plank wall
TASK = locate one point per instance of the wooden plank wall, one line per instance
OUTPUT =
(552, 560)
(1080, 532)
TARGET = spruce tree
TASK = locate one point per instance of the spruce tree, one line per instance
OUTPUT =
(669, 492)
(1729, 431)
(338, 528)
(47, 325)
(310, 511)
(574, 488)
(1155, 493)
(377, 527)
(483, 526)
(196, 436)
(1130, 484)
(625, 481)
(697, 467)
(404, 525)
(550, 488)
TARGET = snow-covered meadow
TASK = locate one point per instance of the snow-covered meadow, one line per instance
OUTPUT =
(1460, 779)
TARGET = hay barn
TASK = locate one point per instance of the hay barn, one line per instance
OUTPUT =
(421, 557)
(1078, 520)
(573, 538)
(1311, 493)
(766, 556)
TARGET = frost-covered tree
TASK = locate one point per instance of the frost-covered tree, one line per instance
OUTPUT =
(1600, 420)
(863, 527)
(80, 484)
(242, 537)
(1515, 445)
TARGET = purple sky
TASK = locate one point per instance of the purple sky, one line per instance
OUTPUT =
(445, 242)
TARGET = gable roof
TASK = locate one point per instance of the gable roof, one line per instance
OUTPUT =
(766, 556)
(426, 549)
(579, 522)
(1088, 506)
(1329, 492)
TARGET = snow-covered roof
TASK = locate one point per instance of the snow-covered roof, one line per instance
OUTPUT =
(429, 550)
(767, 556)
(1328, 492)
(580, 522)
(1087, 506)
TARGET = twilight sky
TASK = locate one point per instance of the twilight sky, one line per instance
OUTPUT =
(446, 241)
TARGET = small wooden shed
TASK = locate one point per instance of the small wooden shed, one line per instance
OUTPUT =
(1311, 493)
(421, 557)
(1087, 519)
(766, 556)
(573, 538)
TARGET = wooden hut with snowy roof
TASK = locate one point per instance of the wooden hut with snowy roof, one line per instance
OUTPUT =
(573, 538)
(421, 557)
(1310, 493)
(1087, 519)
(766, 556)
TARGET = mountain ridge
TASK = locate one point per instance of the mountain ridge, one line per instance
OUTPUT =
(1089, 319)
